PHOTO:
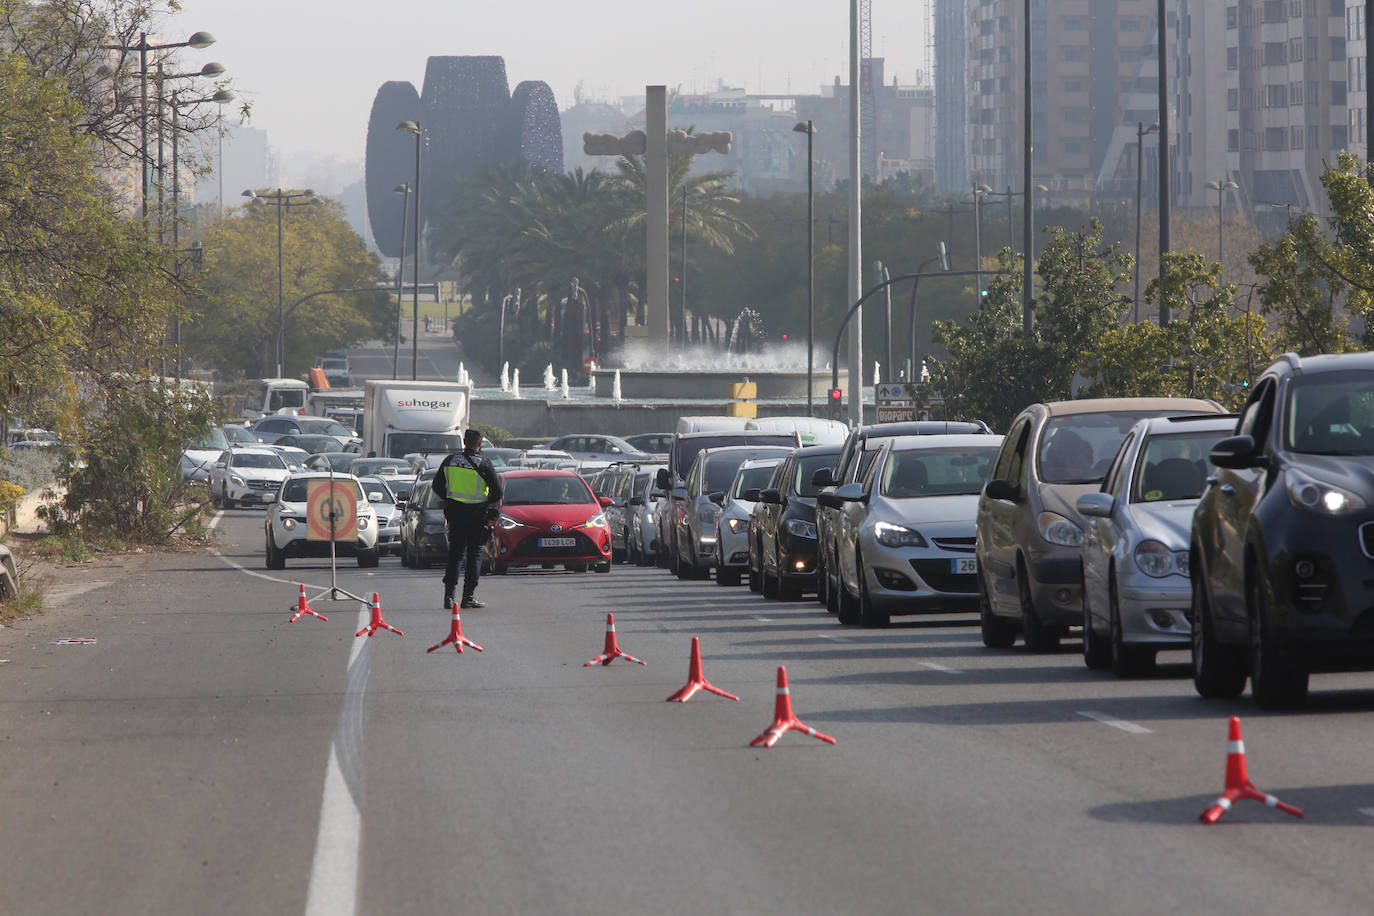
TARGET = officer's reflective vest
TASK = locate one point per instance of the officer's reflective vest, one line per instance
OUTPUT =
(465, 485)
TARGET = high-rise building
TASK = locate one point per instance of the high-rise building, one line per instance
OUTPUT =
(1356, 90)
(951, 94)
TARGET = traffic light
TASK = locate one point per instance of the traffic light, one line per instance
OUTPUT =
(983, 293)
(836, 407)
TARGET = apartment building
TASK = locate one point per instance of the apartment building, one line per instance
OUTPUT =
(1356, 90)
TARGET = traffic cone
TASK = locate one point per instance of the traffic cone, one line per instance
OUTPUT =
(612, 649)
(783, 719)
(455, 635)
(377, 622)
(303, 608)
(1238, 784)
(696, 680)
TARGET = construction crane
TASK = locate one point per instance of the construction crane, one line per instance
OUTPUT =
(868, 93)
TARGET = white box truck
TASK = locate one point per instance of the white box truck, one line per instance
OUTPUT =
(401, 417)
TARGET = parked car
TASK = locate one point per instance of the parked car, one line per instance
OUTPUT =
(1283, 537)
(656, 444)
(286, 526)
(782, 555)
(548, 517)
(699, 507)
(314, 444)
(200, 454)
(341, 462)
(271, 428)
(388, 510)
(618, 482)
(906, 531)
(295, 458)
(245, 475)
(732, 525)
(1136, 590)
(424, 537)
(642, 528)
(856, 456)
(584, 447)
(1029, 529)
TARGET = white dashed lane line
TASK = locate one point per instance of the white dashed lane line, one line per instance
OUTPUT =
(936, 666)
(831, 638)
(1128, 727)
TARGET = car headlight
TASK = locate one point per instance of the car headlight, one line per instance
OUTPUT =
(890, 535)
(736, 525)
(288, 523)
(1057, 529)
(1306, 492)
(362, 522)
(801, 528)
(596, 521)
(1157, 560)
(236, 480)
(508, 523)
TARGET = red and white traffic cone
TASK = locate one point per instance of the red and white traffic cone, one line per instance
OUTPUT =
(303, 608)
(1238, 784)
(612, 650)
(455, 635)
(377, 622)
(783, 719)
(696, 680)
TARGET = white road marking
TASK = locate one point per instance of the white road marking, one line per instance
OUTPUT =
(761, 619)
(936, 666)
(1129, 727)
(1367, 812)
(832, 638)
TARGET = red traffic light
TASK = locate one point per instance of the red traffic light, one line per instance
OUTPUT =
(836, 394)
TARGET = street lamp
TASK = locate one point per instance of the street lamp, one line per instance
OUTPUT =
(979, 191)
(943, 257)
(283, 200)
(1273, 205)
(414, 127)
(404, 191)
(1221, 187)
(1140, 131)
(809, 128)
(198, 40)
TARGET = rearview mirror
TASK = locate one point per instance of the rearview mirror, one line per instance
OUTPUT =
(1236, 453)
(661, 479)
(605, 501)
(823, 477)
(751, 495)
(771, 496)
(851, 493)
(718, 497)
(636, 501)
(997, 488)
(1095, 505)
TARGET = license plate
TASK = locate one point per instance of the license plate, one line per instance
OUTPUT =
(960, 565)
(558, 542)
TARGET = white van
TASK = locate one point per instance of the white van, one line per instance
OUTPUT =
(810, 430)
(712, 424)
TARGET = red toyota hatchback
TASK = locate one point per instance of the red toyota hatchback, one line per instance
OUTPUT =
(550, 517)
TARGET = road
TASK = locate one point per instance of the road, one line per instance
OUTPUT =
(205, 755)
(433, 355)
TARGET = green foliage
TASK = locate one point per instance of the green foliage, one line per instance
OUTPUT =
(63, 548)
(233, 322)
(496, 434)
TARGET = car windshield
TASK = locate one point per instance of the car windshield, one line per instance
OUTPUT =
(340, 461)
(540, 491)
(805, 469)
(400, 444)
(297, 489)
(1331, 414)
(238, 434)
(258, 460)
(720, 470)
(753, 478)
(382, 467)
(686, 449)
(1078, 448)
(1173, 466)
(213, 438)
(376, 486)
(402, 488)
(326, 428)
(936, 472)
(642, 483)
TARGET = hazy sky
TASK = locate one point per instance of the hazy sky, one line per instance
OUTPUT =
(311, 67)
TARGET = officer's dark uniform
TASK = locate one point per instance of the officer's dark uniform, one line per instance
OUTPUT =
(468, 484)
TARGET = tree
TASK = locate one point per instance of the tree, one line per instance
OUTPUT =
(233, 322)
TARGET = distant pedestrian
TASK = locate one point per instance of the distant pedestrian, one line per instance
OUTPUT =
(470, 488)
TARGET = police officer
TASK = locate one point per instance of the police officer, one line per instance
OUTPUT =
(470, 488)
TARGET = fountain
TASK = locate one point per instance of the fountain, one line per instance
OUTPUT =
(566, 393)
(615, 387)
(515, 384)
(505, 376)
(700, 372)
(548, 377)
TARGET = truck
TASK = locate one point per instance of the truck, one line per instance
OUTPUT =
(274, 395)
(404, 417)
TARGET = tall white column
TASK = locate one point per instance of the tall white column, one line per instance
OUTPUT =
(656, 213)
(856, 375)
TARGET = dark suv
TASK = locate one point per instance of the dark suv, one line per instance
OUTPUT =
(1282, 550)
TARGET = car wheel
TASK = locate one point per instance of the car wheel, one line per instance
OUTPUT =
(368, 559)
(1097, 653)
(276, 559)
(755, 575)
(1037, 636)
(575, 567)
(1218, 671)
(405, 555)
(216, 499)
(725, 577)
(832, 588)
(769, 583)
(850, 609)
(602, 567)
(631, 555)
(499, 569)
(1275, 681)
(868, 614)
(1127, 660)
(681, 568)
(822, 581)
(788, 590)
(998, 633)
(418, 558)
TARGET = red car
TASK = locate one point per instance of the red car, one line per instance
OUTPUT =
(550, 517)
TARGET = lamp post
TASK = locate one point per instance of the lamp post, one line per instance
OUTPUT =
(414, 127)
(198, 40)
(883, 275)
(1140, 131)
(979, 190)
(1273, 205)
(404, 191)
(1221, 187)
(809, 128)
(283, 200)
(942, 256)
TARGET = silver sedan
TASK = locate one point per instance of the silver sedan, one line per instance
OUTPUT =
(1136, 589)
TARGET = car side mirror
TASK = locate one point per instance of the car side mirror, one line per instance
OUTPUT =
(219, 464)
(617, 502)
(635, 501)
(1236, 453)
(771, 496)
(614, 450)
(401, 503)
(661, 479)
(374, 497)
(852, 493)
(751, 495)
(605, 501)
(823, 477)
(829, 500)
(718, 497)
(998, 488)
(269, 497)
(1095, 505)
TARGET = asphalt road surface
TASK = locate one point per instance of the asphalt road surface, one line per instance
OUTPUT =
(205, 755)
